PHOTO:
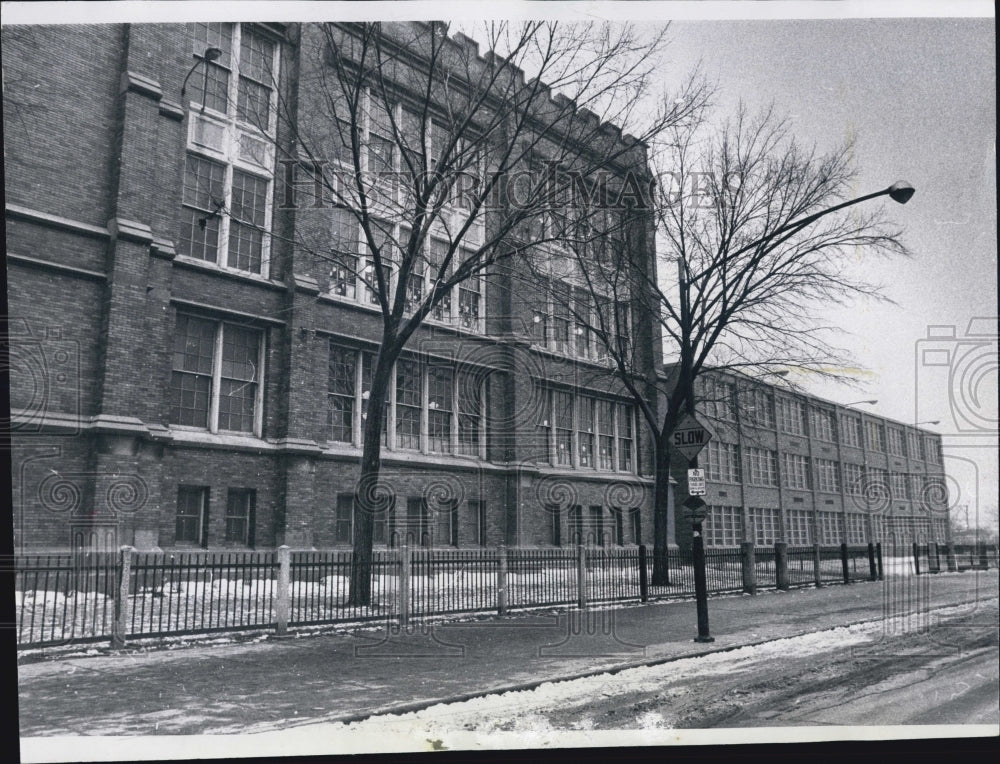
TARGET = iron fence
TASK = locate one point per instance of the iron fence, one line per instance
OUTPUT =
(90, 596)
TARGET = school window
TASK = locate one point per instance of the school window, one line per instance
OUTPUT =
(914, 445)
(850, 431)
(763, 468)
(855, 529)
(894, 441)
(582, 318)
(791, 416)
(415, 530)
(798, 528)
(343, 520)
(217, 369)
(477, 512)
(932, 450)
(765, 526)
(408, 404)
(827, 476)
(757, 408)
(722, 462)
(636, 525)
(447, 524)
(192, 515)
(873, 436)
(821, 423)
(345, 254)
(625, 442)
(585, 433)
(595, 535)
(606, 435)
(240, 516)
(555, 524)
(440, 394)
(229, 165)
(723, 526)
(795, 471)
(718, 401)
(385, 242)
(828, 528)
(618, 515)
(854, 479)
(562, 407)
(470, 300)
(577, 535)
(897, 483)
(342, 393)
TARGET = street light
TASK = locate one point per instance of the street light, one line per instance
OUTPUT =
(929, 421)
(899, 192)
(872, 402)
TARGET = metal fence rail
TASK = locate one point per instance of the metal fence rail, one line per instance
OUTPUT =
(765, 567)
(541, 577)
(801, 566)
(88, 596)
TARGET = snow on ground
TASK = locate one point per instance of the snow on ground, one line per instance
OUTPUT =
(517, 719)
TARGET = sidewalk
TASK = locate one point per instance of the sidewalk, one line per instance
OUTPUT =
(275, 683)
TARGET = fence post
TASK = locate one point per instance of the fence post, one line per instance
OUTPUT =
(817, 572)
(916, 558)
(872, 567)
(404, 586)
(643, 579)
(120, 628)
(949, 556)
(502, 580)
(581, 576)
(878, 559)
(283, 602)
(747, 552)
(933, 557)
(844, 563)
(781, 565)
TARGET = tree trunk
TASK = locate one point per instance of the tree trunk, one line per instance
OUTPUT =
(661, 515)
(370, 499)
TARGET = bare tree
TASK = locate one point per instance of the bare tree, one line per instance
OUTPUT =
(736, 214)
(438, 154)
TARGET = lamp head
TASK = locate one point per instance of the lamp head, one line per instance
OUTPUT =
(212, 54)
(901, 191)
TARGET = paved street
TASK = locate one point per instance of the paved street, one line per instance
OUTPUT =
(274, 684)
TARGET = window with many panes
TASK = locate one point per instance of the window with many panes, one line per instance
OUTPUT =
(240, 516)
(586, 432)
(446, 522)
(562, 408)
(874, 436)
(216, 379)
(343, 519)
(722, 462)
(898, 485)
(914, 445)
(605, 435)
(854, 478)
(723, 526)
(342, 393)
(477, 516)
(916, 486)
(191, 525)
(894, 441)
(756, 408)
(932, 449)
(440, 394)
(408, 403)
(798, 527)
(762, 466)
(795, 471)
(765, 525)
(623, 421)
(577, 534)
(850, 431)
(717, 399)
(471, 413)
(229, 166)
(855, 529)
(791, 416)
(822, 424)
(827, 475)
(828, 527)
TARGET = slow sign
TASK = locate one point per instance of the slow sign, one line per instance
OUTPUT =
(690, 436)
